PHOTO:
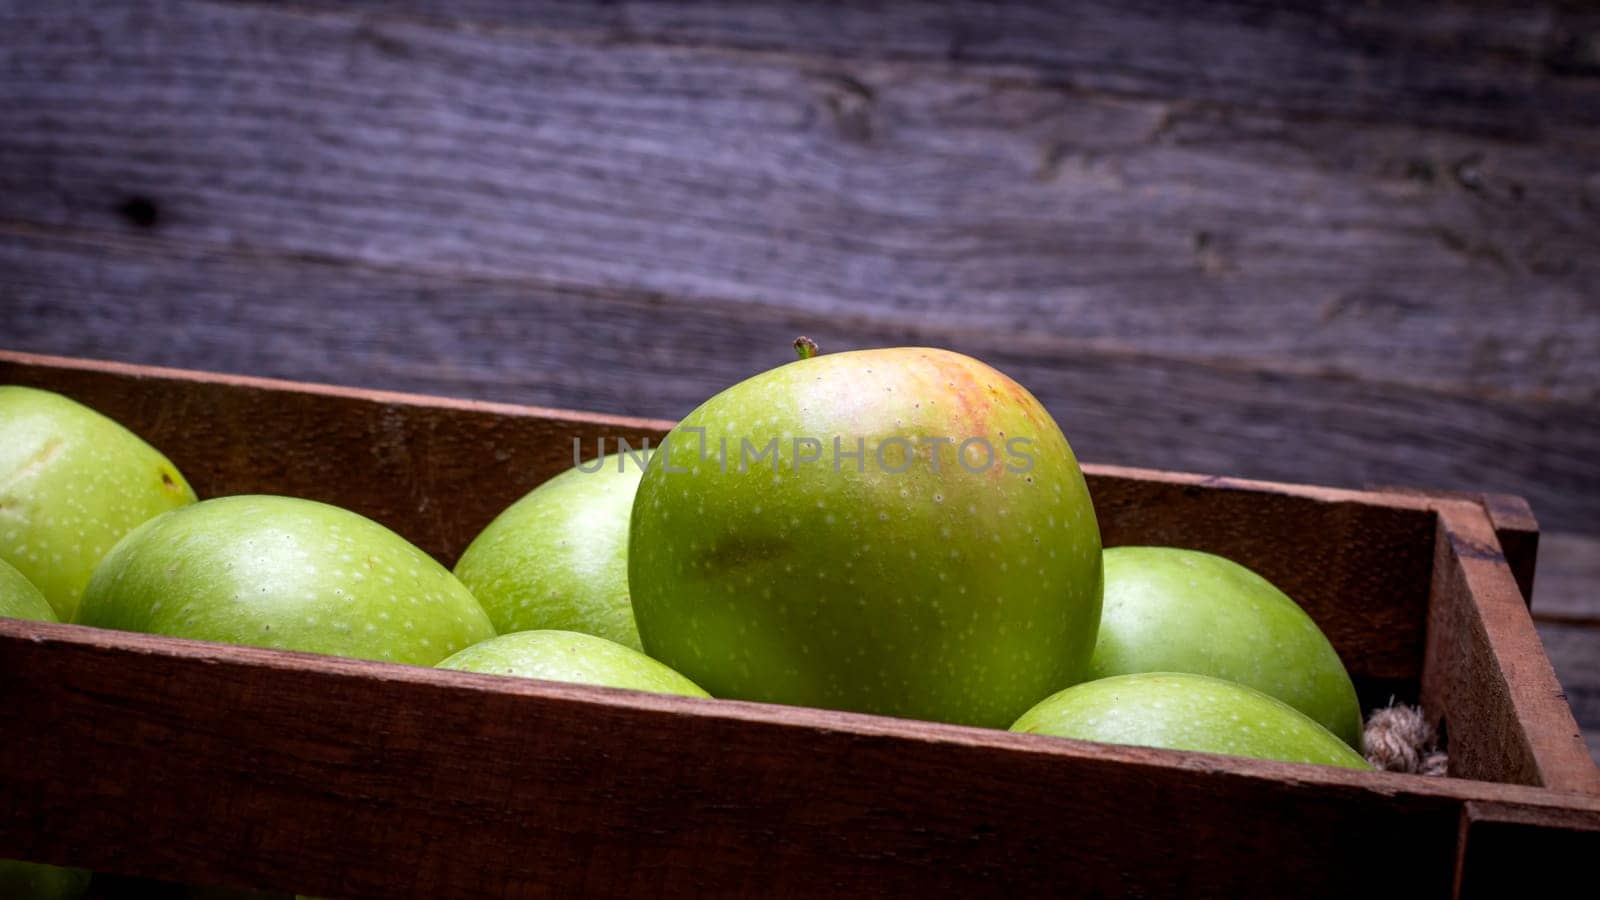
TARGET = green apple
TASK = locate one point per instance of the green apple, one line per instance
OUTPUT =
(1181, 711)
(558, 558)
(1172, 610)
(72, 483)
(286, 573)
(37, 881)
(19, 599)
(900, 531)
(571, 656)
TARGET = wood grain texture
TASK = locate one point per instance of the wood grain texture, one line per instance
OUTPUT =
(648, 355)
(1516, 529)
(1568, 587)
(438, 470)
(231, 765)
(1486, 676)
(1362, 237)
(1567, 613)
(1574, 650)
(899, 190)
(1519, 70)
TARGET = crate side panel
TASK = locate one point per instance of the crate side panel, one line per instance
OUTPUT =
(1486, 674)
(223, 765)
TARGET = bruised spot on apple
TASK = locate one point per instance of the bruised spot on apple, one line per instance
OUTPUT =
(1174, 610)
(572, 657)
(1183, 711)
(72, 483)
(735, 551)
(286, 573)
(558, 557)
(919, 542)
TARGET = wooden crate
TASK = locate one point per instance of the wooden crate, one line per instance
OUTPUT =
(238, 766)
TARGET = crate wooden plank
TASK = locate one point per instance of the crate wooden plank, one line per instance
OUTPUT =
(905, 190)
(1515, 528)
(148, 302)
(1510, 69)
(1486, 675)
(233, 765)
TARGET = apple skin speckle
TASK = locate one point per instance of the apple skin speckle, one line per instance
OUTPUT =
(1182, 711)
(760, 569)
(226, 569)
(73, 482)
(1173, 610)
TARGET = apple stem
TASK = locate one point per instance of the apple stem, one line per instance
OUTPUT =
(805, 347)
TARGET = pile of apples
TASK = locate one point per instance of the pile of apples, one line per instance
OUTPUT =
(898, 531)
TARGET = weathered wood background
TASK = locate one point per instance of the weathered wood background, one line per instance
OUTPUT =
(1343, 243)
